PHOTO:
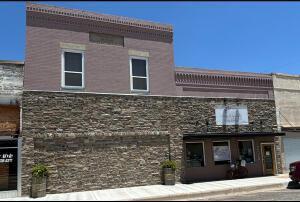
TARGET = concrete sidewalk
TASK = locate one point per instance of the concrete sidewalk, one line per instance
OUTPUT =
(163, 192)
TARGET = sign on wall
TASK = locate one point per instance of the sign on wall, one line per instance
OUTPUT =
(231, 115)
(6, 157)
(8, 126)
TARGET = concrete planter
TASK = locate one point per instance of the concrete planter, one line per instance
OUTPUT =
(169, 176)
(38, 187)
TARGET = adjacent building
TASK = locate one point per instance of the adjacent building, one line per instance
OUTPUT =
(11, 86)
(243, 121)
(103, 105)
(287, 99)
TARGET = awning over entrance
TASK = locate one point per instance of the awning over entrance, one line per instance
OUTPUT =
(195, 136)
(291, 129)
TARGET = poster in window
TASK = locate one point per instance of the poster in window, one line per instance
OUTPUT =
(221, 153)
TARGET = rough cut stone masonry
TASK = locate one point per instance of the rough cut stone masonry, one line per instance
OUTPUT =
(96, 141)
(11, 80)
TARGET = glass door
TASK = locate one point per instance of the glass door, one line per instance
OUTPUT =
(8, 165)
(268, 159)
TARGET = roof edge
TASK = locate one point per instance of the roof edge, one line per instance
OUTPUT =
(76, 13)
(11, 62)
(218, 71)
(286, 75)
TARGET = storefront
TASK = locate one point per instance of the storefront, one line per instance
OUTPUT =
(208, 156)
(10, 145)
(10, 167)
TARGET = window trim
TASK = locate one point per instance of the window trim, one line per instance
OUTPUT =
(203, 148)
(253, 148)
(63, 69)
(131, 76)
(230, 156)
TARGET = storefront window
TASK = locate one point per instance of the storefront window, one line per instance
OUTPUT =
(8, 165)
(246, 151)
(221, 153)
(194, 155)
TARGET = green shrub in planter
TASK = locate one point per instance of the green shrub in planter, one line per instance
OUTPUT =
(40, 170)
(38, 183)
(169, 168)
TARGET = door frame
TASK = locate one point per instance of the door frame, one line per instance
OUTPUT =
(274, 157)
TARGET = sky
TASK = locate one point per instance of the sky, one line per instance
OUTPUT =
(261, 37)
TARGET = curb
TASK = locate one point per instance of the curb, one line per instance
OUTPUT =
(212, 193)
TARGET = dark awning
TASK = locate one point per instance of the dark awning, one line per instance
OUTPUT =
(290, 129)
(195, 136)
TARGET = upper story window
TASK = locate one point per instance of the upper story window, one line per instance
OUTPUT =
(72, 69)
(139, 76)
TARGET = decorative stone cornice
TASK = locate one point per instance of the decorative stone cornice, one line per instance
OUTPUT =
(98, 17)
(91, 21)
(221, 78)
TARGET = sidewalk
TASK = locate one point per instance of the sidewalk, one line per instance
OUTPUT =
(163, 192)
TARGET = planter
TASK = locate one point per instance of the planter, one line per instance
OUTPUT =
(38, 187)
(169, 176)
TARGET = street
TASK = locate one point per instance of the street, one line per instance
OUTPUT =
(282, 194)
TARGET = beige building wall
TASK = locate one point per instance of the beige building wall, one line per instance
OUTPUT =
(287, 99)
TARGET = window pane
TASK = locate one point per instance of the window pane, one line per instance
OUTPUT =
(73, 62)
(246, 151)
(194, 155)
(221, 153)
(138, 67)
(73, 79)
(139, 83)
(8, 169)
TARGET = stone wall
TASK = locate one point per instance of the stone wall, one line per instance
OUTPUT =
(96, 141)
(11, 80)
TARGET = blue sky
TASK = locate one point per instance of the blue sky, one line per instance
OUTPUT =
(240, 36)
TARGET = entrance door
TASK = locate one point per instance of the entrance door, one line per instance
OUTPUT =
(8, 165)
(268, 159)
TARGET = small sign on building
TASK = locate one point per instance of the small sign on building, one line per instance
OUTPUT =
(231, 115)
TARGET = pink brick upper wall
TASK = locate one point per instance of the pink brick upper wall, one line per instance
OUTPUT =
(106, 66)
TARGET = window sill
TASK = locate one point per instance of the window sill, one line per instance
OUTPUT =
(72, 88)
(141, 92)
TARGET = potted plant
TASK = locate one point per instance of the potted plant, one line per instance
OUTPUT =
(169, 168)
(39, 179)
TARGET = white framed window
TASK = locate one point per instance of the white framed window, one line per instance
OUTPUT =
(246, 150)
(72, 69)
(195, 154)
(139, 75)
(222, 152)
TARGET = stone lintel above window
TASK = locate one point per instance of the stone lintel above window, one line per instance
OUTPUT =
(138, 53)
(73, 46)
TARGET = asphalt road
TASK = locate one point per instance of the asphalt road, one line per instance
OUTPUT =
(264, 195)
